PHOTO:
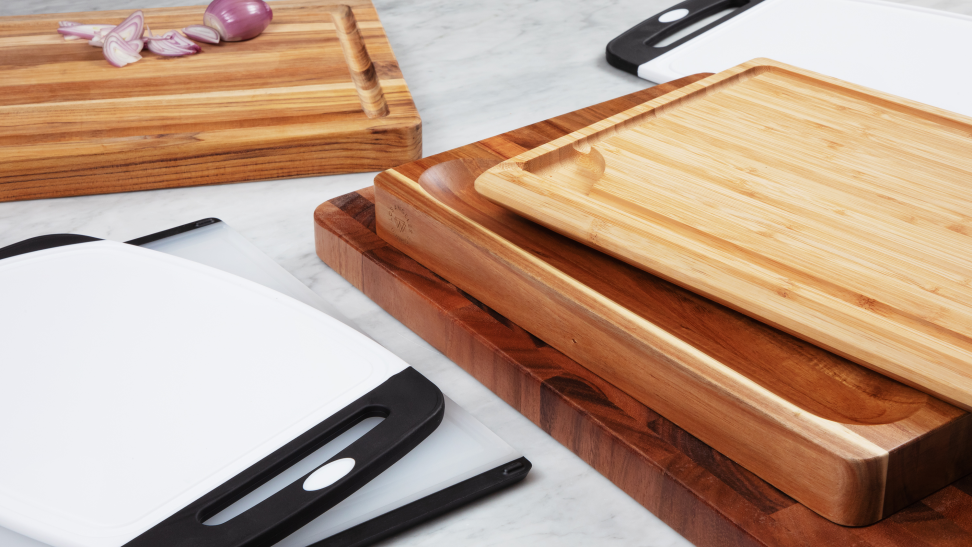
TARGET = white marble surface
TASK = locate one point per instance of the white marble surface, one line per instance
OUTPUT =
(476, 68)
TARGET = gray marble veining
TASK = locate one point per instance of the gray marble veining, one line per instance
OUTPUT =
(476, 68)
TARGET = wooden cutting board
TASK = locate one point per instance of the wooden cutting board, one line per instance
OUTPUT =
(703, 495)
(834, 212)
(848, 443)
(319, 92)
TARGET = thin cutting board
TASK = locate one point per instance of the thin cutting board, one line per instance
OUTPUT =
(914, 52)
(144, 393)
(847, 442)
(319, 92)
(459, 462)
(829, 210)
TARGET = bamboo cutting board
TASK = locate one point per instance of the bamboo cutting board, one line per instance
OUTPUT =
(319, 92)
(834, 212)
(848, 443)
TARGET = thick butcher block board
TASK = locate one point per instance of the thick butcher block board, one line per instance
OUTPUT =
(849, 443)
(696, 490)
(318, 92)
(834, 212)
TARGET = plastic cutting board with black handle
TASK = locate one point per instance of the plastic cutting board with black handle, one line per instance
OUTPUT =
(917, 53)
(141, 394)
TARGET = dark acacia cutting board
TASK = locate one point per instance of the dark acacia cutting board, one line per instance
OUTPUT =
(319, 92)
(847, 442)
(700, 493)
(835, 212)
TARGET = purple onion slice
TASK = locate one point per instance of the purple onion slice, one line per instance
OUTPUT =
(86, 32)
(168, 48)
(177, 38)
(202, 33)
(118, 52)
(131, 28)
(99, 38)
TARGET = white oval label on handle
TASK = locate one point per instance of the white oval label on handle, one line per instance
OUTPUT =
(328, 474)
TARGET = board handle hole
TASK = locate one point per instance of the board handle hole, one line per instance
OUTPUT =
(698, 25)
(295, 472)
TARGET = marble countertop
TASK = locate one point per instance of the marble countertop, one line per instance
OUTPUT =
(476, 68)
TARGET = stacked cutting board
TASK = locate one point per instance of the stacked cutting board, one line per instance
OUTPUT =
(319, 92)
(850, 444)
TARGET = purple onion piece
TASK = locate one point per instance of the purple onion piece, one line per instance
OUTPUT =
(202, 33)
(68, 24)
(169, 48)
(99, 38)
(177, 38)
(86, 32)
(131, 28)
(238, 20)
(118, 52)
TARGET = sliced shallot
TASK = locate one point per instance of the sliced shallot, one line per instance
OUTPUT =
(118, 52)
(202, 33)
(131, 28)
(68, 24)
(172, 44)
(182, 40)
(99, 38)
(84, 31)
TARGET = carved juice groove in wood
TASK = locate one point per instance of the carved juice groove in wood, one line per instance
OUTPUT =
(819, 207)
(706, 497)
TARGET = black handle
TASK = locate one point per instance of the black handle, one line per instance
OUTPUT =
(637, 46)
(412, 406)
(40, 243)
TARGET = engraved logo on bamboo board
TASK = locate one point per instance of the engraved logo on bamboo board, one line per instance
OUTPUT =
(399, 224)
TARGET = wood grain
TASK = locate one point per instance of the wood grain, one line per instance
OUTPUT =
(834, 212)
(703, 495)
(830, 433)
(319, 92)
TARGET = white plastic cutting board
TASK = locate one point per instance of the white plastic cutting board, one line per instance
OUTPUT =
(916, 53)
(252, 370)
(220, 246)
(459, 449)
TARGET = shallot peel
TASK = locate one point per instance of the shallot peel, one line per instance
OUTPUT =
(202, 33)
(238, 20)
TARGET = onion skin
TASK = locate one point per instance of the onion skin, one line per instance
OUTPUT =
(238, 20)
